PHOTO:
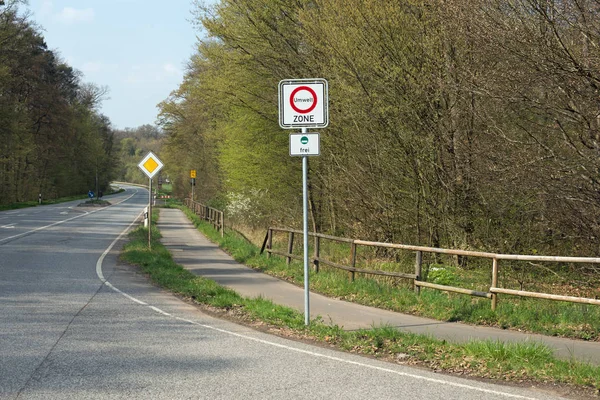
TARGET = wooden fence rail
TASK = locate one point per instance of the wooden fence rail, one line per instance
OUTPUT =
(417, 277)
(212, 215)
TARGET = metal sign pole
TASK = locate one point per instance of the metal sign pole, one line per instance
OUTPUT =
(304, 103)
(150, 216)
(305, 228)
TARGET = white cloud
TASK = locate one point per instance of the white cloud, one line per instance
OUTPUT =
(152, 73)
(171, 69)
(91, 67)
(70, 15)
(46, 8)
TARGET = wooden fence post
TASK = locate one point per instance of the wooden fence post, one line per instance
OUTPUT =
(494, 283)
(290, 248)
(418, 271)
(222, 214)
(269, 242)
(317, 253)
(352, 260)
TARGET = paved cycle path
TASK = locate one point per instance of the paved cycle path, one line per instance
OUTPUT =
(202, 257)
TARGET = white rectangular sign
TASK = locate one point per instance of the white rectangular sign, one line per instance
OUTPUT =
(303, 103)
(305, 144)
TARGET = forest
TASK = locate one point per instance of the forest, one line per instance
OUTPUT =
(53, 139)
(133, 145)
(471, 124)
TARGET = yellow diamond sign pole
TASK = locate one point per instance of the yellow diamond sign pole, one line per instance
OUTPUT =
(193, 181)
(150, 165)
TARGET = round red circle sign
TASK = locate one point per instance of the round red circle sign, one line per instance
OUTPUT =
(313, 102)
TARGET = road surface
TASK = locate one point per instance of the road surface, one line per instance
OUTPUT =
(75, 324)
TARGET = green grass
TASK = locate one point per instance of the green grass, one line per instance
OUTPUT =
(531, 362)
(26, 204)
(163, 271)
(167, 188)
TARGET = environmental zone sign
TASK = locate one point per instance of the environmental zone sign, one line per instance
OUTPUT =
(303, 103)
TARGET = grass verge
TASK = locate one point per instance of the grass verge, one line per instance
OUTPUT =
(523, 363)
(45, 202)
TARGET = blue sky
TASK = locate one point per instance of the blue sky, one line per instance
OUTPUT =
(138, 48)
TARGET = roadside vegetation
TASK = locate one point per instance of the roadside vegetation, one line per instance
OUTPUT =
(54, 141)
(526, 363)
(466, 124)
(26, 204)
(462, 124)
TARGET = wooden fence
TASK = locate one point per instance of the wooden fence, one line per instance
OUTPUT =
(212, 215)
(491, 294)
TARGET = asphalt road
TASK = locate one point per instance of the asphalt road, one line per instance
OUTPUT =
(75, 324)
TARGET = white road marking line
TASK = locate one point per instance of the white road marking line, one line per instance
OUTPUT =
(61, 222)
(9, 226)
(290, 348)
(158, 310)
(42, 227)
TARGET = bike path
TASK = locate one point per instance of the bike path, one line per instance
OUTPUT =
(196, 253)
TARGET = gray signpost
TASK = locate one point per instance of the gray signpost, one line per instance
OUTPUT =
(304, 103)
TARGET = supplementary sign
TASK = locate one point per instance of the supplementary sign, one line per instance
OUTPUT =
(304, 144)
(303, 103)
(150, 165)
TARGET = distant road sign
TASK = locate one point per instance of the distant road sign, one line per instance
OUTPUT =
(303, 103)
(150, 165)
(305, 144)
(193, 173)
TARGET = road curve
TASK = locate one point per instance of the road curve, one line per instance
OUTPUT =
(76, 324)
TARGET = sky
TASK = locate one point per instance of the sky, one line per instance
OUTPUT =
(137, 48)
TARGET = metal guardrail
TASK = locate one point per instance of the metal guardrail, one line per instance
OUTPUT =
(212, 215)
(492, 294)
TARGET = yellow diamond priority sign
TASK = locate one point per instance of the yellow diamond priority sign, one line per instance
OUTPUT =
(150, 165)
